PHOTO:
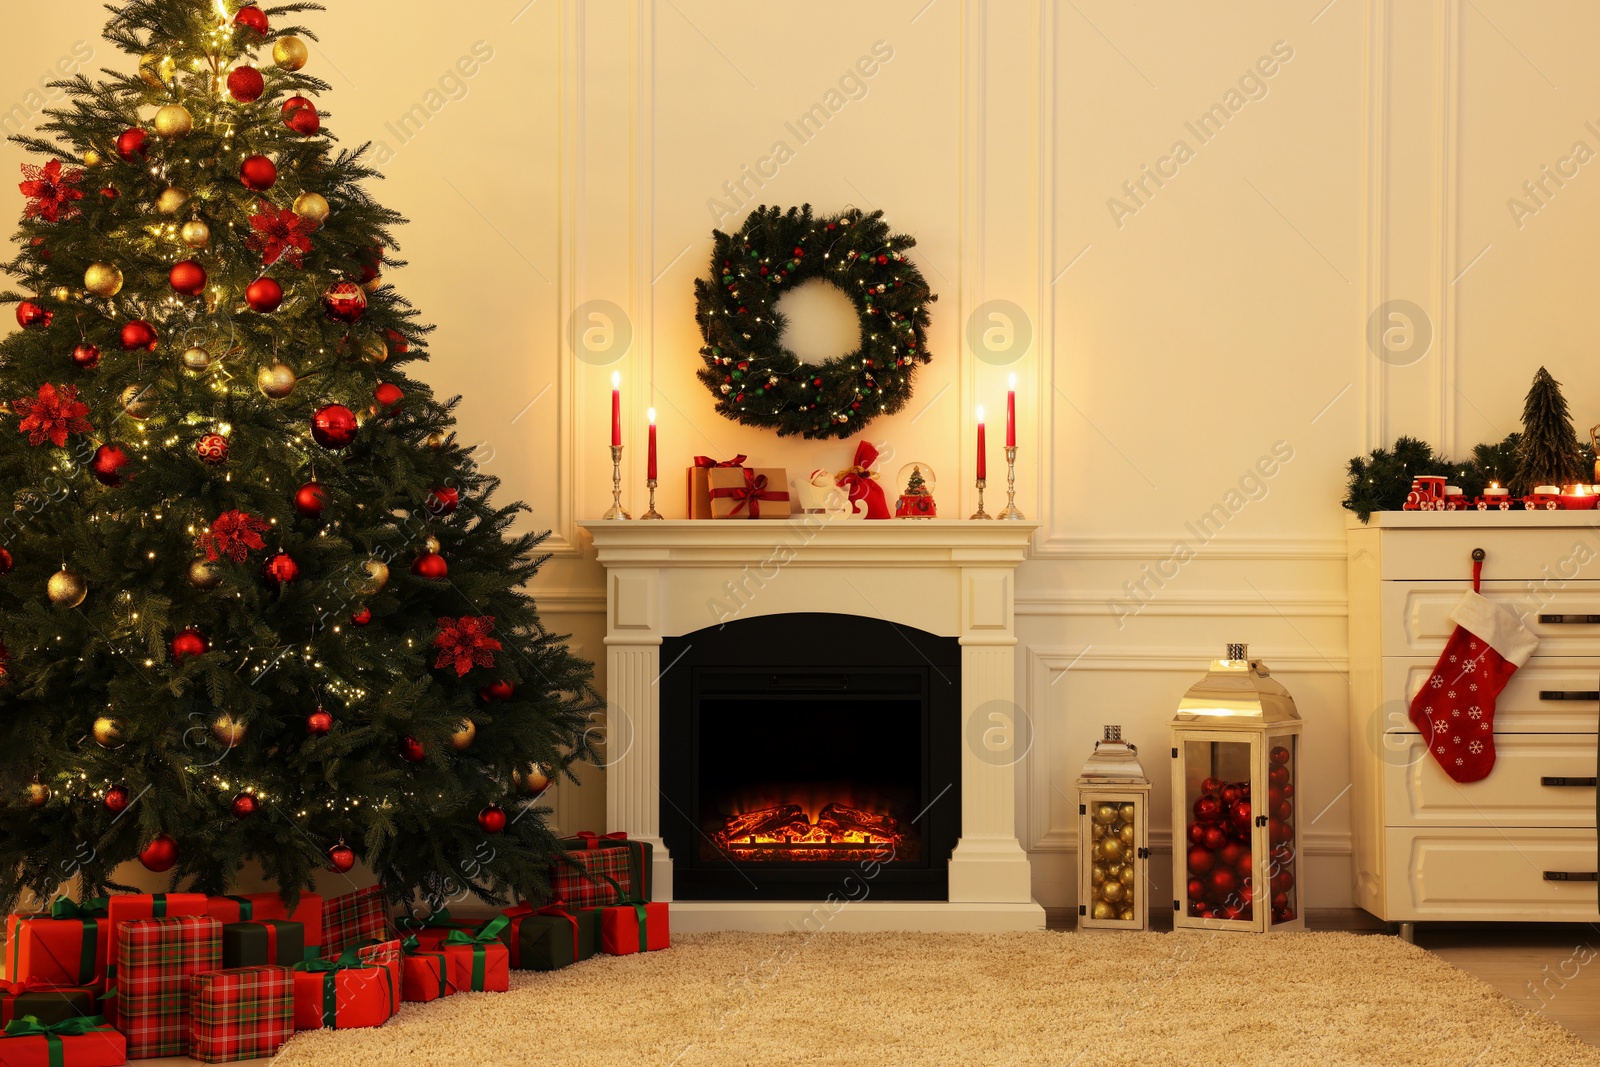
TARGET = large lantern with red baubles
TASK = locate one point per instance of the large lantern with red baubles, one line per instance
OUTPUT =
(1113, 838)
(1235, 770)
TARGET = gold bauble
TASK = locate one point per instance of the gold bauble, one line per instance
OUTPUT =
(1113, 849)
(1127, 876)
(156, 70)
(436, 439)
(108, 732)
(196, 358)
(1126, 833)
(204, 574)
(195, 234)
(1097, 851)
(138, 401)
(61, 294)
(1097, 873)
(463, 735)
(228, 731)
(290, 53)
(171, 200)
(430, 545)
(374, 284)
(1105, 813)
(1112, 891)
(91, 158)
(66, 588)
(276, 381)
(1126, 813)
(1102, 910)
(173, 122)
(1127, 915)
(313, 206)
(38, 794)
(103, 279)
(533, 781)
(374, 350)
(377, 575)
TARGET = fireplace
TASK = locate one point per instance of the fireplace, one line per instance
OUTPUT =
(800, 750)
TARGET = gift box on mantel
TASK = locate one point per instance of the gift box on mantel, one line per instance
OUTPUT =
(749, 493)
(49, 1004)
(65, 946)
(260, 942)
(549, 938)
(343, 994)
(253, 907)
(241, 1013)
(87, 1041)
(157, 960)
(700, 483)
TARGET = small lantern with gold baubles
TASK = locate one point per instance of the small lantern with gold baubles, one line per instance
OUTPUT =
(1113, 838)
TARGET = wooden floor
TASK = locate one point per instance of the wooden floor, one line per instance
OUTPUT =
(1553, 968)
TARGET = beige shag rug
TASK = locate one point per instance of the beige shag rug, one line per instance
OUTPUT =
(875, 1000)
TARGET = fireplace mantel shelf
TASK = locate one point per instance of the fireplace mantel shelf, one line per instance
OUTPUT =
(816, 539)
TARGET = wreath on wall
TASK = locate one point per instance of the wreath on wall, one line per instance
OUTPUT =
(759, 382)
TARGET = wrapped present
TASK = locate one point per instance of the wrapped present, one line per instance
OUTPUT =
(749, 493)
(307, 911)
(157, 960)
(343, 994)
(47, 1003)
(241, 1013)
(592, 878)
(640, 856)
(65, 946)
(700, 483)
(259, 942)
(478, 962)
(87, 1041)
(422, 973)
(354, 919)
(549, 938)
(387, 954)
(861, 482)
(430, 930)
(629, 928)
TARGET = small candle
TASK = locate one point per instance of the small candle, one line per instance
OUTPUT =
(650, 463)
(983, 451)
(1495, 490)
(1011, 414)
(616, 410)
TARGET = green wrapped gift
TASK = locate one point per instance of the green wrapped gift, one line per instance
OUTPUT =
(547, 939)
(50, 1005)
(263, 942)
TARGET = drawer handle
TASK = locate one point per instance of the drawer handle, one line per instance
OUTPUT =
(1572, 783)
(1570, 620)
(1571, 876)
(1569, 694)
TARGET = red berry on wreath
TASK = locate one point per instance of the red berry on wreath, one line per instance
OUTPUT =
(310, 499)
(130, 145)
(319, 723)
(443, 501)
(345, 302)
(107, 464)
(280, 569)
(252, 18)
(138, 334)
(341, 858)
(258, 173)
(188, 278)
(499, 690)
(117, 799)
(411, 750)
(388, 394)
(243, 806)
(30, 314)
(430, 565)
(160, 855)
(334, 426)
(212, 449)
(246, 85)
(361, 616)
(263, 295)
(492, 819)
(189, 643)
(86, 357)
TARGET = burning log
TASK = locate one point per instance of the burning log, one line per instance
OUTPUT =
(766, 822)
(838, 820)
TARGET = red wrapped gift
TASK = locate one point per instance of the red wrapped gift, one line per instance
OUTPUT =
(431, 930)
(243, 1013)
(700, 483)
(343, 994)
(422, 974)
(354, 919)
(127, 907)
(387, 954)
(157, 962)
(629, 928)
(748, 493)
(65, 946)
(478, 962)
(593, 878)
(253, 907)
(83, 1042)
(45, 1002)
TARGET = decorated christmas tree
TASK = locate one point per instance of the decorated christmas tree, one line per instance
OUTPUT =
(1548, 453)
(256, 604)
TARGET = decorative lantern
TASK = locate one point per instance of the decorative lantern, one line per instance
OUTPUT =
(1235, 768)
(1113, 838)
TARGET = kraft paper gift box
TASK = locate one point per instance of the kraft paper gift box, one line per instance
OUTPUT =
(48, 1004)
(241, 1013)
(65, 946)
(82, 1042)
(157, 960)
(307, 911)
(640, 856)
(749, 493)
(259, 942)
(700, 483)
(343, 994)
(549, 938)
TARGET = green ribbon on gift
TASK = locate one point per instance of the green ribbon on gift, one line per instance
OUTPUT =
(247, 907)
(88, 913)
(349, 960)
(30, 1026)
(488, 934)
(412, 947)
(158, 905)
(644, 928)
(67, 908)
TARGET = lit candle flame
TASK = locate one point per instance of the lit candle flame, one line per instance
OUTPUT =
(1013, 381)
(980, 412)
(652, 414)
(616, 380)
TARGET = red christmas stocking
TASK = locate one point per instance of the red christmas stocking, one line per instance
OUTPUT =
(1455, 707)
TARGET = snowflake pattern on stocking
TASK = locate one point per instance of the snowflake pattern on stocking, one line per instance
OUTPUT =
(1475, 747)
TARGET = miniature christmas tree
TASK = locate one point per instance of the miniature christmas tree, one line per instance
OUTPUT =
(916, 485)
(1548, 453)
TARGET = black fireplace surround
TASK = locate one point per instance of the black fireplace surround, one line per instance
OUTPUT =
(828, 718)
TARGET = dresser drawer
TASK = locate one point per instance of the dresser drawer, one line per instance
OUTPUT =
(1532, 701)
(1416, 615)
(1560, 554)
(1417, 791)
(1487, 875)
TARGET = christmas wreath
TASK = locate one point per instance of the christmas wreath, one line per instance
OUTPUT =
(759, 382)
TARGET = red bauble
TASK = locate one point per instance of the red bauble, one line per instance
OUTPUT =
(295, 103)
(492, 819)
(117, 799)
(107, 462)
(1279, 755)
(318, 723)
(1211, 785)
(1215, 838)
(243, 806)
(160, 855)
(397, 343)
(1240, 815)
(280, 569)
(212, 449)
(1201, 860)
(86, 357)
(1278, 776)
(6, 562)
(501, 690)
(1231, 853)
(188, 278)
(189, 643)
(130, 145)
(263, 295)
(1280, 901)
(442, 501)
(1279, 832)
(334, 426)
(30, 314)
(303, 119)
(345, 302)
(1197, 833)
(1284, 811)
(341, 858)
(1197, 889)
(1230, 794)
(411, 750)
(430, 565)
(252, 18)
(1275, 795)
(388, 394)
(139, 334)
(258, 173)
(310, 499)
(1208, 809)
(1222, 883)
(360, 617)
(246, 84)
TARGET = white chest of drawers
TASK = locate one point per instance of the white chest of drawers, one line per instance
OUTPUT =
(1519, 845)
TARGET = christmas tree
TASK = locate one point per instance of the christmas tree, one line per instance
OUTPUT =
(916, 485)
(1548, 453)
(256, 604)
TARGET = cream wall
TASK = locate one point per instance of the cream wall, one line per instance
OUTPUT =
(1181, 344)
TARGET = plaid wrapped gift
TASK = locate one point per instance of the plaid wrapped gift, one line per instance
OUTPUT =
(343, 994)
(65, 946)
(49, 1004)
(249, 907)
(592, 878)
(81, 1042)
(242, 1013)
(422, 974)
(478, 962)
(640, 856)
(630, 928)
(354, 919)
(126, 907)
(158, 958)
(549, 938)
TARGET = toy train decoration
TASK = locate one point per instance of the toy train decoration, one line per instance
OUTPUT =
(1431, 493)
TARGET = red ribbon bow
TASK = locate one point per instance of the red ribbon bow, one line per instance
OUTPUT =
(707, 461)
(752, 492)
(862, 485)
(591, 839)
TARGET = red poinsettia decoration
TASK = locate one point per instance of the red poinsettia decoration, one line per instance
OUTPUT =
(278, 234)
(56, 412)
(235, 534)
(51, 191)
(465, 643)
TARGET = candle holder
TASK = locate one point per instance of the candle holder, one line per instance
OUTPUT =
(980, 513)
(1011, 511)
(652, 514)
(616, 511)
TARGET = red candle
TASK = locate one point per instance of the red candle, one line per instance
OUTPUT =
(983, 450)
(650, 464)
(616, 410)
(1011, 414)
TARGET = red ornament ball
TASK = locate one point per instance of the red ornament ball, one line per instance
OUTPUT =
(280, 569)
(411, 750)
(1278, 776)
(345, 302)
(1212, 786)
(492, 819)
(341, 858)
(1240, 815)
(246, 84)
(303, 118)
(1208, 809)
(1280, 832)
(1223, 883)
(244, 805)
(388, 394)
(295, 103)
(442, 501)
(1280, 901)
(212, 449)
(263, 295)
(6, 563)
(1230, 794)
(258, 173)
(30, 314)
(1201, 860)
(319, 723)
(1279, 755)
(188, 278)
(189, 643)
(501, 690)
(430, 565)
(130, 145)
(117, 799)
(1231, 853)
(361, 616)
(1196, 888)
(334, 426)
(310, 499)
(86, 357)
(160, 855)
(252, 18)
(107, 464)
(1197, 833)
(139, 334)
(1215, 838)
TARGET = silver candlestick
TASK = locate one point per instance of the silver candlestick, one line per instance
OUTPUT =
(1011, 511)
(652, 514)
(616, 511)
(980, 513)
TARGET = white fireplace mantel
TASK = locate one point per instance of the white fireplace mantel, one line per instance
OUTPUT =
(951, 578)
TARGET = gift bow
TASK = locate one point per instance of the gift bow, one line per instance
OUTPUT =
(486, 935)
(437, 918)
(67, 908)
(349, 960)
(30, 1026)
(752, 492)
(707, 461)
(861, 483)
(591, 839)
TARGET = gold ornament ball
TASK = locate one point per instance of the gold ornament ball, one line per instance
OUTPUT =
(1127, 875)
(373, 350)
(228, 731)
(435, 439)
(66, 588)
(1112, 891)
(38, 794)
(276, 381)
(1126, 813)
(204, 574)
(196, 358)
(61, 294)
(103, 279)
(1127, 915)
(290, 53)
(1102, 910)
(171, 200)
(313, 206)
(533, 781)
(108, 732)
(377, 575)
(1113, 849)
(195, 234)
(156, 70)
(464, 734)
(1126, 834)
(173, 122)
(1097, 873)
(91, 158)
(431, 545)
(1105, 813)
(138, 401)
